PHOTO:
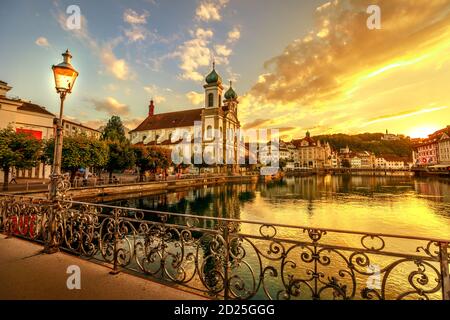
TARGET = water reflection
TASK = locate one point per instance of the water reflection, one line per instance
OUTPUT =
(397, 205)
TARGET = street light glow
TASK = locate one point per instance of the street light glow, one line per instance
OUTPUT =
(65, 74)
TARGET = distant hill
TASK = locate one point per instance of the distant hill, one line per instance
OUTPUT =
(369, 142)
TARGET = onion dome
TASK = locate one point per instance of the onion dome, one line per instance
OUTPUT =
(213, 77)
(230, 94)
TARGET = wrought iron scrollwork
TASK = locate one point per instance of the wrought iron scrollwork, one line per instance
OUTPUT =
(232, 259)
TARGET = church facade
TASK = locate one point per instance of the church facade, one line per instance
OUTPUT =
(216, 119)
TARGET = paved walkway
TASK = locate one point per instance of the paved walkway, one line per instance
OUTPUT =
(26, 273)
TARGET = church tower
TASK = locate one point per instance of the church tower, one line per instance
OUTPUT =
(231, 101)
(213, 89)
(212, 117)
(231, 122)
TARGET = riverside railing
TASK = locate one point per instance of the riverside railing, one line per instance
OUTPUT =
(237, 259)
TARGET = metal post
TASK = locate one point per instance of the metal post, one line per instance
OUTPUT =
(226, 238)
(115, 269)
(51, 245)
(57, 154)
(445, 277)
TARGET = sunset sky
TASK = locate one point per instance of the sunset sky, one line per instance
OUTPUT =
(296, 65)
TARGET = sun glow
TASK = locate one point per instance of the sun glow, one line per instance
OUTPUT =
(422, 131)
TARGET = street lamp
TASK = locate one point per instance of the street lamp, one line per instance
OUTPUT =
(65, 76)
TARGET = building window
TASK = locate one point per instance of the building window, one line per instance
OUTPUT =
(210, 100)
(209, 132)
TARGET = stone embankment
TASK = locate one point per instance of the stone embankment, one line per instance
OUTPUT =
(146, 188)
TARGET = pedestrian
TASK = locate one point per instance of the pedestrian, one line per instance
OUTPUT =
(13, 179)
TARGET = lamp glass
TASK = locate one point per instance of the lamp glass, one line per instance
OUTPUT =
(64, 78)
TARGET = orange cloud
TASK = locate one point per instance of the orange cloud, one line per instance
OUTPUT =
(341, 74)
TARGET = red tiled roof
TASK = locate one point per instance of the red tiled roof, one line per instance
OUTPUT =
(31, 107)
(389, 157)
(432, 138)
(178, 119)
(439, 133)
(298, 143)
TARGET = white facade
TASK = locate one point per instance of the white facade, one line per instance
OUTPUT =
(334, 160)
(26, 117)
(356, 162)
(218, 115)
(434, 150)
(380, 163)
(444, 149)
(395, 164)
(312, 154)
(72, 129)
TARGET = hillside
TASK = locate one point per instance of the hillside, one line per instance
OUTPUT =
(369, 142)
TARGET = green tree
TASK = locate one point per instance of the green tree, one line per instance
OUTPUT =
(346, 163)
(17, 150)
(79, 152)
(121, 156)
(114, 130)
(151, 159)
(369, 142)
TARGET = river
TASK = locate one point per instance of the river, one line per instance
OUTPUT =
(414, 207)
(394, 205)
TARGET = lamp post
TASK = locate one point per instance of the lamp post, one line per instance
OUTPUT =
(65, 76)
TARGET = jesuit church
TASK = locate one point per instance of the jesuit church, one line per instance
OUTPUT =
(218, 113)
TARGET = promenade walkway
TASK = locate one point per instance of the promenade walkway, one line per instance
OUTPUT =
(26, 273)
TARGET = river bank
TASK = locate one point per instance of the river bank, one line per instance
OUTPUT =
(134, 190)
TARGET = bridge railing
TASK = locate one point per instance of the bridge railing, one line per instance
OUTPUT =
(237, 259)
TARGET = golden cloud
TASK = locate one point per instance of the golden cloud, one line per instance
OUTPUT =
(319, 69)
(341, 74)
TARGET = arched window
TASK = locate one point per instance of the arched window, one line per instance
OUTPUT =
(220, 100)
(210, 100)
(209, 133)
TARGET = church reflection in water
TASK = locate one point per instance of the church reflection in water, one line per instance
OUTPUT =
(222, 201)
(391, 205)
(226, 201)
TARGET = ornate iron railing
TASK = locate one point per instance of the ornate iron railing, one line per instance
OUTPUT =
(237, 259)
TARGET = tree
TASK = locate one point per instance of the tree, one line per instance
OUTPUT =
(369, 142)
(17, 150)
(151, 159)
(114, 130)
(121, 156)
(346, 163)
(283, 164)
(79, 152)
